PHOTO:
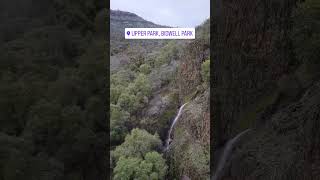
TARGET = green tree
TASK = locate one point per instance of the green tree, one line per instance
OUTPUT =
(53, 90)
(145, 68)
(122, 77)
(135, 95)
(44, 122)
(118, 120)
(142, 85)
(153, 167)
(126, 168)
(159, 167)
(137, 144)
(115, 92)
(127, 101)
(167, 54)
(205, 71)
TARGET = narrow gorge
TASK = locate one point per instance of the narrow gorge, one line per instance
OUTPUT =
(150, 81)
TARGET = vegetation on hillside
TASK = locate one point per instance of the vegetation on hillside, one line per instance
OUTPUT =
(145, 97)
(138, 157)
(53, 90)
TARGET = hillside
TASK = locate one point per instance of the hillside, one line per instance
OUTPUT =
(53, 90)
(119, 20)
(148, 85)
(267, 80)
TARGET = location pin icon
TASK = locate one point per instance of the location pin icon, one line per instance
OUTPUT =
(128, 32)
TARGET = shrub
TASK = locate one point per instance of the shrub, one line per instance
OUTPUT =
(127, 101)
(142, 85)
(145, 69)
(152, 167)
(115, 92)
(167, 54)
(118, 120)
(137, 144)
(205, 71)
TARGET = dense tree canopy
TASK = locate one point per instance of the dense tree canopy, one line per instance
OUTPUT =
(153, 167)
(137, 157)
(53, 91)
(137, 144)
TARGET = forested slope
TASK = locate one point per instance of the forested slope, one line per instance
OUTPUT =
(53, 90)
(150, 80)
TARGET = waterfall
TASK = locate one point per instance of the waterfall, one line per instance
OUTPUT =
(172, 125)
(226, 153)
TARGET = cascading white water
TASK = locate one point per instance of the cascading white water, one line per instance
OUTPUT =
(172, 125)
(226, 153)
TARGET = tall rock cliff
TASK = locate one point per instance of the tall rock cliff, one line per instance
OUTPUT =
(190, 150)
(265, 80)
(251, 53)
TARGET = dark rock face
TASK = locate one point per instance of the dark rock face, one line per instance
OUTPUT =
(287, 148)
(259, 83)
(250, 56)
(189, 75)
